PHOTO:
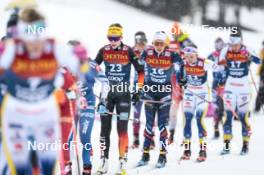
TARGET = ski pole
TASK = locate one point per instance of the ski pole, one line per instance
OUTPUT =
(227, 104)
(119, 115)
(74, 135)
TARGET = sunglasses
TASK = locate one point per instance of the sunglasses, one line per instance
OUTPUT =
(189, 55)
(114, 38)
(159, 43)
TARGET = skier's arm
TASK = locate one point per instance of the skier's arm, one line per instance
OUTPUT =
(8, 54)
(222, 56)
(66, 57)
(210, 65)
(100, 76)
(255, 59)
(99, 57)
(138, 65)
(179, 69)
(211, 57)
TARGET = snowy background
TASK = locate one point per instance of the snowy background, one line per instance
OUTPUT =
(87, 20)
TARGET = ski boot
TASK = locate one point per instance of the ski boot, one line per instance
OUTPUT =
(68, 168)
(226, 149)
(135, 142)
(202, 153)
(162, 160)
(144, 159)
(244, 149)
(216, 133)
(171, 137)
(187, 151)
(87, 170)
(122, 167)
(103, 167)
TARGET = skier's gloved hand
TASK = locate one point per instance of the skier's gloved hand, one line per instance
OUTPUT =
(101, 107)
(183, 83)
(136, 97)
(71, 95)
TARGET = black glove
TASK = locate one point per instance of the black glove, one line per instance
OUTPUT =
(183, 83)
(101, 107)
(136, 97)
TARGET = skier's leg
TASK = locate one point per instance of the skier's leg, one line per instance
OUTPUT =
(188, 109)
(260, 97)
(219, 112)
(150, 111)
(136, 123)
(14, 138)
(123, 109)
(163, 117)
(66, 126)
(230, 102)
(176, 98)
(229, 105)
(173, 120)
(216, 109)
(47, 131)
(106, 125)
(85, 130)
(201, 111)
(243, 102)
(3, 162)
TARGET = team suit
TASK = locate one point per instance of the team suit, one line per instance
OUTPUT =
(117, 68)
(30, 112)
(86, 105)
(237, 90)
(195, 101)
(157, 87)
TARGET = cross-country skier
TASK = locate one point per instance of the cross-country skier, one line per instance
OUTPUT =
(30, 114)
(160, 63)
(236, 58)
(195, 99)
(219, 79)
(117, 58)
(260, 96)
(88, 73)
(67, 117)
(179, 40)
(139, 47)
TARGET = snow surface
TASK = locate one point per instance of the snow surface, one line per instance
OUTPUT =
(88, 21)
